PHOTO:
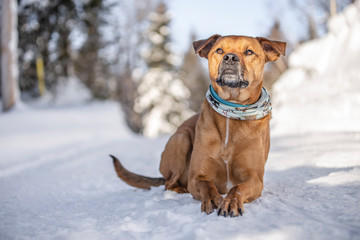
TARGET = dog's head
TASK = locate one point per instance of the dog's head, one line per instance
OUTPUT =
(236, 64)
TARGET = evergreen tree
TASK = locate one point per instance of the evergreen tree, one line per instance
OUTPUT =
(161, 95)
(44, 30)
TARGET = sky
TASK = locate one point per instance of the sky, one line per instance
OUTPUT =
(229, 17)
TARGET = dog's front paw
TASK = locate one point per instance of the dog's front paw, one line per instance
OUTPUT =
(231, 205)
(210, 203)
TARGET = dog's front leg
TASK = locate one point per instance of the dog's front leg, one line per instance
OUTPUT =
(233, 204)
(210, 197)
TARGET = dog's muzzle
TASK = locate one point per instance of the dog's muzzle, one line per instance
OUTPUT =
(230, 73)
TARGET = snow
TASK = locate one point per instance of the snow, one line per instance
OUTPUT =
(57, 180)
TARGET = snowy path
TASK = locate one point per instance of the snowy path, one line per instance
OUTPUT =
(57, 182)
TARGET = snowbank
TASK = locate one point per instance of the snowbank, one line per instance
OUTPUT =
(321, 89)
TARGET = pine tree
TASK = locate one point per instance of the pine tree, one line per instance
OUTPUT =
(161, 95)
(44, 31)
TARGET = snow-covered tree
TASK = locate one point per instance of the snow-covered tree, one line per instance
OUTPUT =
(162, 96)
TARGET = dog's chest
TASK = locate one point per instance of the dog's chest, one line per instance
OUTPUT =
(225, 155)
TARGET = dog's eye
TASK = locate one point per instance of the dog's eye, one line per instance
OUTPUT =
(249, 52)
(219, 51)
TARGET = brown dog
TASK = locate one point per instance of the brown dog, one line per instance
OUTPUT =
(214, 153)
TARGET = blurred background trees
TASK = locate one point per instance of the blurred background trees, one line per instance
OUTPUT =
(122, 50)
(162, 98)
(90, 63)
(194, 75)
(44, 33)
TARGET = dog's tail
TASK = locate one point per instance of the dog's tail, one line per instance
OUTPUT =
(133, 179)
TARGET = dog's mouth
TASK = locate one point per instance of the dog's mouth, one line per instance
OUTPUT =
(231, 78)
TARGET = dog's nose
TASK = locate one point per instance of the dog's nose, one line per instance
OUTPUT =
(231, 58)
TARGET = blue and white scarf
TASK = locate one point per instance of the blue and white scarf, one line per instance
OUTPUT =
(240, 112)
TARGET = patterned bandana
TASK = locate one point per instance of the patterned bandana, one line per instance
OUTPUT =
(240, 112)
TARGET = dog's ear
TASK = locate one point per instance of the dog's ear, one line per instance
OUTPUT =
(272, 49)
(202, 47)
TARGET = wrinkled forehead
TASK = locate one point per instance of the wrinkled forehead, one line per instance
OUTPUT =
(236, 43)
